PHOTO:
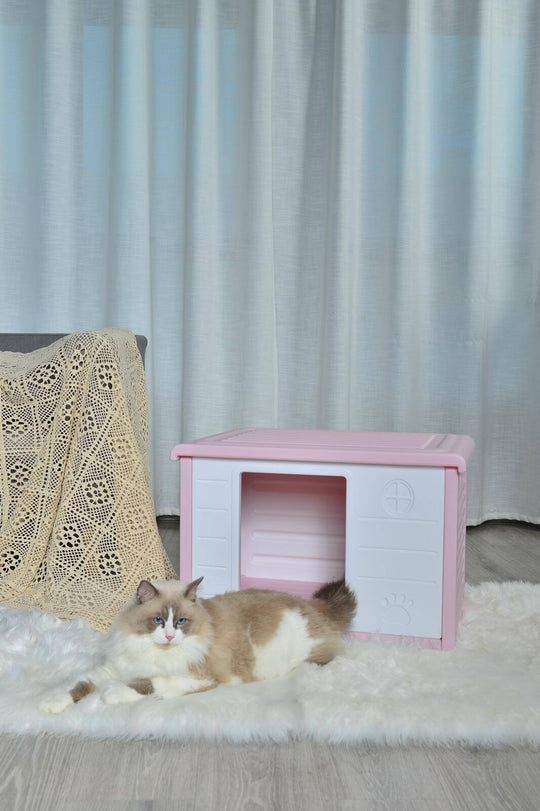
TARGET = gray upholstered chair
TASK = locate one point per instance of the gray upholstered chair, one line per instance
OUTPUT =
(29, 341)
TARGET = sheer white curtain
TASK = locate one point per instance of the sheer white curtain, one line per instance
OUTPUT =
(321, 213)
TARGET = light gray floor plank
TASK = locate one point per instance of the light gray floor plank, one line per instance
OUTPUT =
(503, 550)
(52, 773)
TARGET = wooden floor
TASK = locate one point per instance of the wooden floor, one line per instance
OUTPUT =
(53, 773)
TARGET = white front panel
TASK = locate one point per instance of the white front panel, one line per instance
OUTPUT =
(394, 539)
(214, 538)
(394, 550)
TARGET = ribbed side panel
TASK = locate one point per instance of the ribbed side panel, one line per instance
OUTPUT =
(461, 542)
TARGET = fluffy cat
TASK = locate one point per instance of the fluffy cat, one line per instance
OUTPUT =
(168, 642)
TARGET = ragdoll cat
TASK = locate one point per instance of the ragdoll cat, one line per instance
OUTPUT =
(169, 642)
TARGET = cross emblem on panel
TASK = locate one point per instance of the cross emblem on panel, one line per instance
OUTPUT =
(398, 497)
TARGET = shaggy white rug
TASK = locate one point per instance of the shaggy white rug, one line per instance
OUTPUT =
(485, 692)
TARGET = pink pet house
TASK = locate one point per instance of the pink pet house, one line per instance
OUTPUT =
(292, 509)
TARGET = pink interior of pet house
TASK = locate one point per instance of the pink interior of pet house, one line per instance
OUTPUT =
(292, 509)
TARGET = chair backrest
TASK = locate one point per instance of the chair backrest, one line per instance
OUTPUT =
(29, 341)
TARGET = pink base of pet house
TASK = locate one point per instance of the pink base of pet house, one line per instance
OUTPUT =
(292, 509)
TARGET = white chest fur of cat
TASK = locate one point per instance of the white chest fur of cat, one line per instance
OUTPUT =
(168, 642)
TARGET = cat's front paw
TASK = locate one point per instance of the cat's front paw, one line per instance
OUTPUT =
(166, 687)
(174, 687)
(56, 703)
(120, 694)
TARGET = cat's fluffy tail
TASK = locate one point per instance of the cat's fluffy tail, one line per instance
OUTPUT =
(341, 603)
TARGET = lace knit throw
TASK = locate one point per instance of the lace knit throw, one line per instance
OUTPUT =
(77, 521)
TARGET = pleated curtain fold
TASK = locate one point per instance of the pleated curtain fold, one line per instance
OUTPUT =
(321, 213)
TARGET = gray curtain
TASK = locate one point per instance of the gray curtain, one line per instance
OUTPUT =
(321, 213)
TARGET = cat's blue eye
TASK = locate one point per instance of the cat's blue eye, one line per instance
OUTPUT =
(181, 621)
(158, 621)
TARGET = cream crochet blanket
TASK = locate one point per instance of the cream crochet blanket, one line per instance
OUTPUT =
(77, 521)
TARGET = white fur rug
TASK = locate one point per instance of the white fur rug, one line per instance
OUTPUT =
(485, 692)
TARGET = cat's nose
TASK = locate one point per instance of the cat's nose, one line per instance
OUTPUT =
(170, 638)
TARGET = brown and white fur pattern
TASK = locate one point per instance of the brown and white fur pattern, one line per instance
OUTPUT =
(169, 642)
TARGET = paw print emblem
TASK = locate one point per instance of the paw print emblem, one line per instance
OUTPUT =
(396, 610)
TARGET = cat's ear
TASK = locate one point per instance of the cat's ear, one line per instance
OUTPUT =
(145, 592)
(191, 589)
